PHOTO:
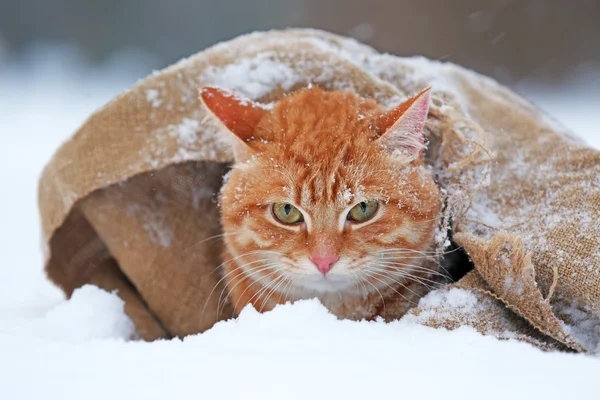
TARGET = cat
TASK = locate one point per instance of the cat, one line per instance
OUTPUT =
(328, 198)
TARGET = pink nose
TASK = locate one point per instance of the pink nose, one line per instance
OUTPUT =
(324, 264)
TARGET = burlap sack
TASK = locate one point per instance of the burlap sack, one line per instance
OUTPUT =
(130, 202)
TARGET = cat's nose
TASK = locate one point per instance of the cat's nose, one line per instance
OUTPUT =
(324, 263)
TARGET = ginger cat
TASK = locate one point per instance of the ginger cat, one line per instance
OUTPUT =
(328, 198)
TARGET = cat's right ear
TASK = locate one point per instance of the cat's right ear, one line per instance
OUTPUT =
(238, 115)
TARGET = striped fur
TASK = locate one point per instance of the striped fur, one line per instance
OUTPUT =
(324, 152)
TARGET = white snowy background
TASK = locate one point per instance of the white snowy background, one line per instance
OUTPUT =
(51, 348)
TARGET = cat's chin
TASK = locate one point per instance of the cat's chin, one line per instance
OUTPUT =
(317, 284)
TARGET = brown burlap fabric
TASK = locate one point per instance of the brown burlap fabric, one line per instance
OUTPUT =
(130, 201)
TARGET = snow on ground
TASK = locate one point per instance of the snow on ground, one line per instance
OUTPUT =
(56, 349)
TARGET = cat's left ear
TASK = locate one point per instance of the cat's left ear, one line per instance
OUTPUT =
(239, 115)
(402, 126)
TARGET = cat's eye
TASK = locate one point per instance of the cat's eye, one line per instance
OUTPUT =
(363, 211)
(286, 213)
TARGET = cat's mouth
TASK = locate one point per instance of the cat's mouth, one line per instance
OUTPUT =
(306, 280)
(329, 283)
(307, 277)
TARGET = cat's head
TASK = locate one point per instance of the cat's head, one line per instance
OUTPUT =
(328, 189)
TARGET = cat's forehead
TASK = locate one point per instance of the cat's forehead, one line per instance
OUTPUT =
(318, 117)
(320, 98)
(329, 183)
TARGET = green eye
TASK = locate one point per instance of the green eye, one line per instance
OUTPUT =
(363, 211)
(287, 213)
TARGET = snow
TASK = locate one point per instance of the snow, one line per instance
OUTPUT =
(186, 132)
(252, 77)
(152, 96)
(153, 225)
(51, 348)
(455, 298)
(295, 352)
(348, 195)
(90, 314)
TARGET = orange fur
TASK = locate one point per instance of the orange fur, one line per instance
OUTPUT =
(320, 151)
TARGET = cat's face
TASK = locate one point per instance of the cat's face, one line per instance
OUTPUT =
(328, 193)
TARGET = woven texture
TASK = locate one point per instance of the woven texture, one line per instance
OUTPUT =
(130, 201)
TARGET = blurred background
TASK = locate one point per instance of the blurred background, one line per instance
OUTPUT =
(540, 40)
(61, 59)
(511, 40)
(538, 47)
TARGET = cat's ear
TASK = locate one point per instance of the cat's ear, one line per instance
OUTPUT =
(239, 115)
(402, 126)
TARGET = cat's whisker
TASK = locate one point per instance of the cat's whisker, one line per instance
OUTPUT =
(403, 253)
(399, 282)
(377, 290)
(247, 274)
(371, 275)
(433, 283)
(416, 279)
(271, 265)
(374, 275)
(243, 266)
(402, 273)
(225, 292)
(284, 290)
(407, 254)
(358, 278)
(268, 276)
(446, 275)
(272, 292)
(398, 263)
(388, 253)
(289, 289)
(406, 266)
(258, 270)
(237, 268)
(420, 280)
(434, 253)
(387, 258)
(268, 293)
(264, 290)
(249, 253)
(427, 282)
(212, 238)
(366, 291)
(411, 277)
